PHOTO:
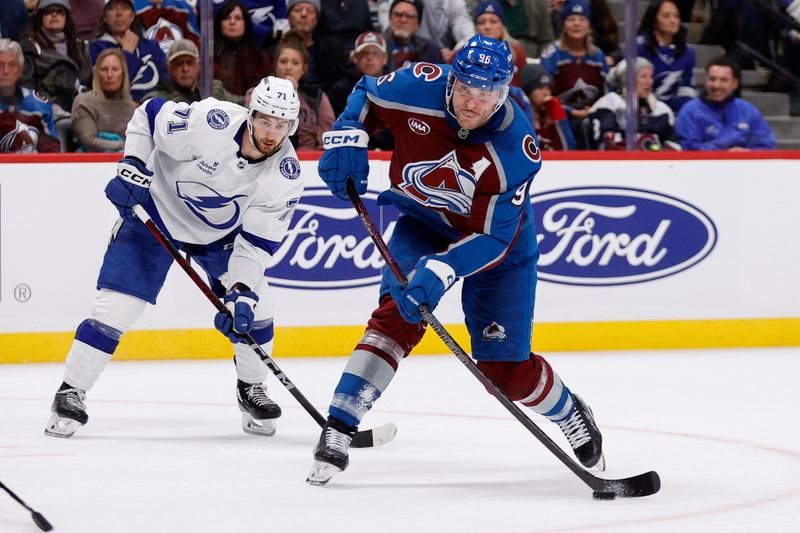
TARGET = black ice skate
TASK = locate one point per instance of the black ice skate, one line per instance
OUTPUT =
(258, 410)
(583, 435)
(69, 412)
(330, 455)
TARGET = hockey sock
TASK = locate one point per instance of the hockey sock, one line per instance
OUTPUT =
(249, 366)
(549, 396)
(92, 348)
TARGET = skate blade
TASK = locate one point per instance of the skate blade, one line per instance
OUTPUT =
(600, 465)
(321, 473)
(262, 428)
(62, 428)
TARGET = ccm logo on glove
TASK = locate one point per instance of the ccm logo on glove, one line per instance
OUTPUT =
(337, 139)
(129, 174)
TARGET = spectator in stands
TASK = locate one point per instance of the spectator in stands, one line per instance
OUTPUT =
(86, 16)
(13, 19)
(370, 58)
(719, 120)
(489, 22)
(578, 67)
(166, 21)
(446, 22)
(120, 28)
(605, 31)
(548, 117)
(662, 40)
(528, 21)
(344, 20)
(100, 116)
(656, 121)
(26, 117)
(790, 58)
(183, 62)
(268, 18)
(326, 56)
(238, 62)
(402, 38)
(316, 113)
(56, 60)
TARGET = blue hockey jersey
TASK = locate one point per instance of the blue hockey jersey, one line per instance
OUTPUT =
(704, 125)
(672, 75)
(473, 189)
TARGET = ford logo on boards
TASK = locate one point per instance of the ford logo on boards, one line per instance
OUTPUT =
(617, 235)
(327, 246)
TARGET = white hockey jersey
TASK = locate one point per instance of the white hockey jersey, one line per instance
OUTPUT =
(203, 188)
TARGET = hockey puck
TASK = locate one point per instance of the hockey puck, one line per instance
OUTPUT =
(601, 495)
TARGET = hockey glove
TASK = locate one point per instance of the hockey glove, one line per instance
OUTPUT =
(426, 285)
(345, 156)
(241, 307)
(130, 186)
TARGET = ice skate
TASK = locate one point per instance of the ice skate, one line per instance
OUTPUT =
(69, 412)
(330, 454)
(258, 410)
(583, 435)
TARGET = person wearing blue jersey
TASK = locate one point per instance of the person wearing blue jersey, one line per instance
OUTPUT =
(719, 120)
(222, 183)
(662, 41)
(460, 174)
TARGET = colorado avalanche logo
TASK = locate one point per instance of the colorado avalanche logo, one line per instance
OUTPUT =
(218, 119)
(290, 168)
(219, 212)
(427, 71)
(164, 33)
(441, 184)
(494, 331)
(530, 149)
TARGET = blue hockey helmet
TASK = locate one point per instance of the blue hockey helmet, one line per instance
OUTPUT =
(483, 63)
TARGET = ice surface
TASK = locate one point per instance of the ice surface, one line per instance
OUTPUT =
(164, 450)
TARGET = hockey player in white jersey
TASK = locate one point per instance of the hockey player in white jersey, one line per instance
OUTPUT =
(222, 181)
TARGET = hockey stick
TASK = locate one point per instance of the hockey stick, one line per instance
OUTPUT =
(363, 439)
(641, 485)
(38, 517)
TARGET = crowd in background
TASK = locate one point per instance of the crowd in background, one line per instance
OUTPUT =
(73, 71)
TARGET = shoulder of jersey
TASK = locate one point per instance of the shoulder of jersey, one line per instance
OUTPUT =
(517, 144)
(220, 115)
(419, 84)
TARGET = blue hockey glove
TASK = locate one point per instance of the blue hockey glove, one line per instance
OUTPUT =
(426, 285)
(130, 186)
(241, 305)
(345, 156)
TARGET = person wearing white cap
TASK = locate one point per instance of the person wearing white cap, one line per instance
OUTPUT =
(183, 63)
(368, 58)
(656, 121)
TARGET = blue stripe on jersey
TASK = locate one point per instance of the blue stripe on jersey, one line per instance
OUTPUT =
(98, 335)
(259, 242)
(153, 106)
(353, 397)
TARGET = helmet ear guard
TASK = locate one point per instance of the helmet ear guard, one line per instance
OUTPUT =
(275, 97)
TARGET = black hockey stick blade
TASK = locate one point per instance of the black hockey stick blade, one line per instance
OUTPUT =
(41, 521)
(636, 486)
(645, 484)
(369, 438)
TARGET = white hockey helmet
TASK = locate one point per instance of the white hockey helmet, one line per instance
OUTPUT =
(275, 97)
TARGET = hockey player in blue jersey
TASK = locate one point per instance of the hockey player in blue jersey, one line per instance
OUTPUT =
(222, 182)
(460, 174)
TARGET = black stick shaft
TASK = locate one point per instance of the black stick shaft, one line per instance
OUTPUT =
(459, 352)
(206, 290)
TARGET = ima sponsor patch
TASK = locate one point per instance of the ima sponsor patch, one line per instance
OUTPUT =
(218, 119)
(290, 168)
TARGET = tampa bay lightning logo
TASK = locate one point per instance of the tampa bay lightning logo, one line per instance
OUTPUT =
(290, 168)
(218, 119)
(440, 184)
(219, 212)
